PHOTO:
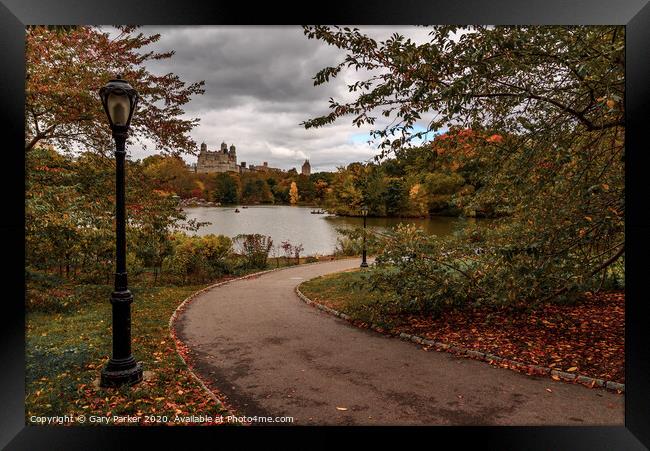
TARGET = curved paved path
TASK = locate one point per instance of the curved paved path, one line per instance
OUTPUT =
(271, 354)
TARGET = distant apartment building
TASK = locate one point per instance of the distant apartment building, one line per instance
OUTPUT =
(222, 160)
(225, 160)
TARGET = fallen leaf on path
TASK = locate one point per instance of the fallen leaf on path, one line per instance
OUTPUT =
(341, 408)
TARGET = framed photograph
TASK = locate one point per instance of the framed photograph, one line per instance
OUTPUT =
(410, 214)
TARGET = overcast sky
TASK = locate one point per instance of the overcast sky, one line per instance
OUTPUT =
(259, 87)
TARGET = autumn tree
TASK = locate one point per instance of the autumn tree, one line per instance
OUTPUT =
(225, 190)
(320, 188)
(66, 66)
(293, 193)
(538, 112)
(345, 196)
(255, 189)
(305, 188)
(280, 191)
(169, 173)
(53, 210)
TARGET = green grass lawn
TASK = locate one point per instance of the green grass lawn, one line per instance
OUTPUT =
(342, 292)
(66, 351)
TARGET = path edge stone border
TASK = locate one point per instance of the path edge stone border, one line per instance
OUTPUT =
(177, 341)
(476, 355)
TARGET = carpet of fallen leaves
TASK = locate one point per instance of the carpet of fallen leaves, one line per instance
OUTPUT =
(585, 338)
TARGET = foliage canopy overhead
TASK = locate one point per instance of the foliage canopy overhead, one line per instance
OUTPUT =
(511, 79)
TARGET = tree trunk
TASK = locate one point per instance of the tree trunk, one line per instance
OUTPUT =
(38, 137)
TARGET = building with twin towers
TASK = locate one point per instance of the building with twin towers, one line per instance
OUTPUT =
(225, 160)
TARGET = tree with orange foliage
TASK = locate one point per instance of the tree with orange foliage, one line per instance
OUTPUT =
(66, 66)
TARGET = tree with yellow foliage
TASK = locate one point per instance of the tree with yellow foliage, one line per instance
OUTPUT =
(293, 193)
(418, 200)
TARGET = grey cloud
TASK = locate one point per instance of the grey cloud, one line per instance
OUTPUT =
(271, 64)
(259, 88)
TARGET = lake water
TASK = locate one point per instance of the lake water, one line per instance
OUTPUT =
(317, 233)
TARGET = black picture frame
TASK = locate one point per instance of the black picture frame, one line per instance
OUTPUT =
(634, 14)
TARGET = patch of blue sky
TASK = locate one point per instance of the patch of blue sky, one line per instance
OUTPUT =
(359, 138)
(363, 138)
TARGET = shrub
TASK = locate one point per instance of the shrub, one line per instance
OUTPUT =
(50, 300)
(292, 250)
(51, 293)
(45, 292)
(255, 248)
(297, 249)
(134, 264)
(347, 246)
(497, 265)
(42, 279)
(197, 259)
(350, 242)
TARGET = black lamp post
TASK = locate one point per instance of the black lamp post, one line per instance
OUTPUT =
(119, 100)
(364, 212)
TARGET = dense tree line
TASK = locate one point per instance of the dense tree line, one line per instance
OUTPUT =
(416, 182)
(170, 173)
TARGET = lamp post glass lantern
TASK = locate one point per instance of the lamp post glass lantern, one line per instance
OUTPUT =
(364, 212)
(119, 100)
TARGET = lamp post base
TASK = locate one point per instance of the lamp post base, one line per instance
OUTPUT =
(363, 265)
(121, 372)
